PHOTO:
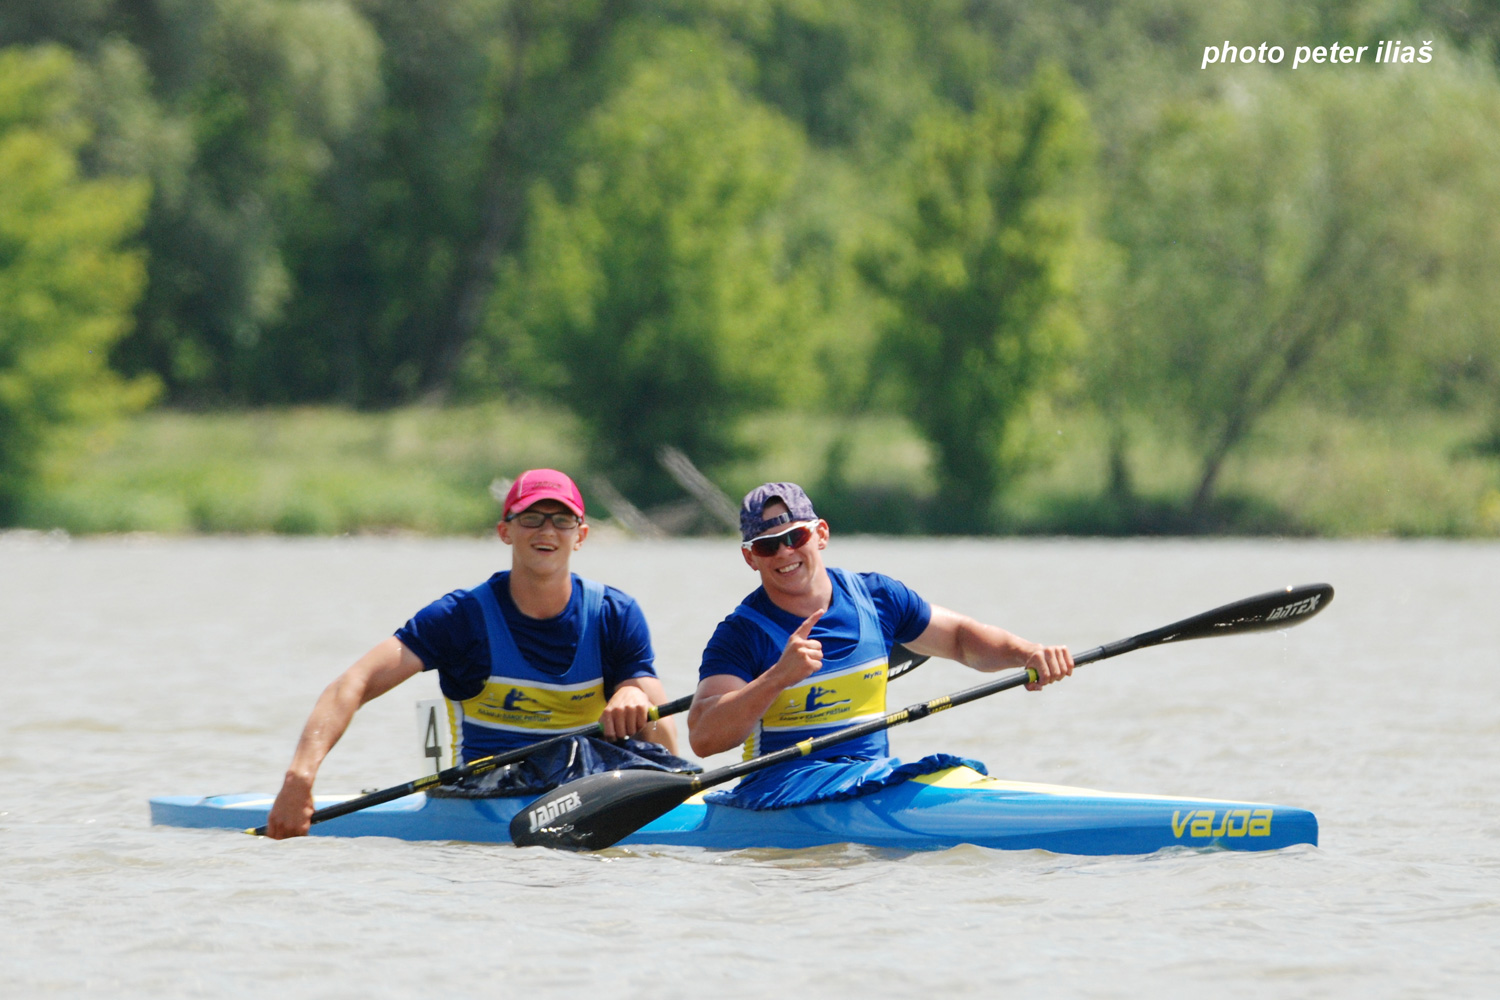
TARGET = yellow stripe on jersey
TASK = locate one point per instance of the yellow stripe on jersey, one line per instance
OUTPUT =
(838, 698)
(505, 704)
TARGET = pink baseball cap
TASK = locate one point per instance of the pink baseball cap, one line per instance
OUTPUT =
(535, 485)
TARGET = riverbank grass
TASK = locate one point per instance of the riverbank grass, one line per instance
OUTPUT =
(302, 471)
(319, 470)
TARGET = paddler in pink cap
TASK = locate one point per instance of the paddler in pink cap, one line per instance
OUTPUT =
(519, 657)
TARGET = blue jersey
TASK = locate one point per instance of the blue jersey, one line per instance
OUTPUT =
(511, 680)
(868, 613)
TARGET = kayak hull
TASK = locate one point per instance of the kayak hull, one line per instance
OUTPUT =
(946, 809)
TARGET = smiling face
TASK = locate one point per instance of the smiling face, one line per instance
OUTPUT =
(793, 577)
(546, 549)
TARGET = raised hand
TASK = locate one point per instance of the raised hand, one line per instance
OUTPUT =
(802, 655)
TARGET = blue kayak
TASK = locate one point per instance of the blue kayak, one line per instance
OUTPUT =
(940, 810)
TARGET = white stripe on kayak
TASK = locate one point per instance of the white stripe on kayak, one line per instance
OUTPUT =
(967, 777)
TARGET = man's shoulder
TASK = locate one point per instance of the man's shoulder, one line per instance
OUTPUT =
(613, 599)
(493, 585)
(446, 631)
(739, 646)
(610, 591)
(877, 583)
(620, 614)
(737, 622)
(875, 577)
(455, 599)
(873, 584)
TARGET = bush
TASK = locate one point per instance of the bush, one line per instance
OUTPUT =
(67, 283)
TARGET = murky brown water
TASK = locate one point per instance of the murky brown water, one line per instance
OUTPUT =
(142, 667)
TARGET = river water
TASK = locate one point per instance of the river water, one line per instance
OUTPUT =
(138, 666)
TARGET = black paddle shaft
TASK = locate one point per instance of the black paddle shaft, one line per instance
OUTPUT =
(1275, 610)
(483, 765)
(599, 810)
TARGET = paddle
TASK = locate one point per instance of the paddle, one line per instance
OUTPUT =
(483, 765)
(599, 810)
(903, 661)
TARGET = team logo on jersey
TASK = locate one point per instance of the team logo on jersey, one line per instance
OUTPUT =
(827, 699)
(815, 699)
(508, 704)
(517, 700)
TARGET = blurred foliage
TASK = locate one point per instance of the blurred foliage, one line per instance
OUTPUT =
(677, 217)
(981, 279)
(329, 470)
(306, 470)
(67, 282)
(1303, 235)
(658, 271)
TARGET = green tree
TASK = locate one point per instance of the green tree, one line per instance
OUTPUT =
(67, 280)
(980, 281)
(651, 297)
(364, 242)
(1300, 234)
(262, 98)
(483, 97)
(236, 110)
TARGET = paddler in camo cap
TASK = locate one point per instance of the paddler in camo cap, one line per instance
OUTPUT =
(806, 654)
(519, 657)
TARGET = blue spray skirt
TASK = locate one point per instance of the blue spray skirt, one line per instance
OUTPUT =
(930, 812)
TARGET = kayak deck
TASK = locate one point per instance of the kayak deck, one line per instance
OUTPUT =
(941, 810)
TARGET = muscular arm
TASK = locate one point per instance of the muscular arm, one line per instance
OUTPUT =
(989, 648)
(725, 707)
(625, 715)
(724, 711)
(371, 676)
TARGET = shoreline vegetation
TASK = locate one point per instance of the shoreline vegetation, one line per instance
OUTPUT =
(429, 471)
(969, 269)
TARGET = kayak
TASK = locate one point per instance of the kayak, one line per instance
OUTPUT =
(931, 812)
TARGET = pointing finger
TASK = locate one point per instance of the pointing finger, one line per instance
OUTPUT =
(805, 629)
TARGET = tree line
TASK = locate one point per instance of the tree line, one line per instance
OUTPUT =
(669, 215)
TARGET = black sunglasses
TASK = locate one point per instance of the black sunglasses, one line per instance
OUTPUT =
(562, 520)
(792, 538)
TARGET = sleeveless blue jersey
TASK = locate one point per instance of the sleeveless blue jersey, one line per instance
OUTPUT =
(520, 704)
(846, 690)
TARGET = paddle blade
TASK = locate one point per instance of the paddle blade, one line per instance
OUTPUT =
(1276, 610)
(599, 810)
(903, 661)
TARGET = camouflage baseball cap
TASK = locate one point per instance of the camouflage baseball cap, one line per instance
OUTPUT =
(752, 511)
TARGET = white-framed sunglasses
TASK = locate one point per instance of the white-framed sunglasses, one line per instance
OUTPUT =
(793, 538)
